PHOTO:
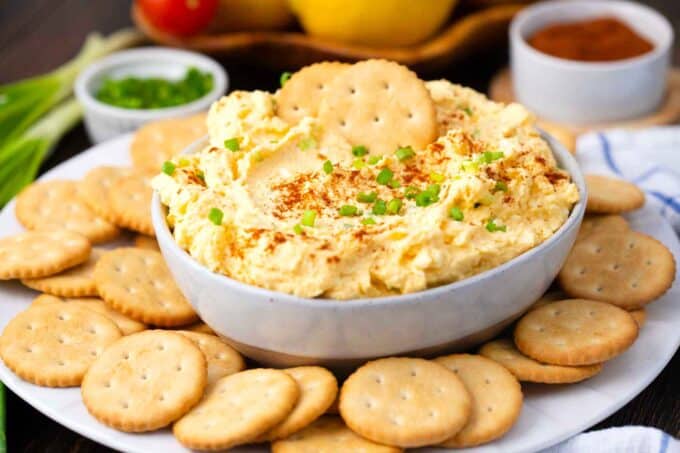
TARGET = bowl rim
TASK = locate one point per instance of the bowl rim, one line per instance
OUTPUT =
(659, 51)
(174, 56)
(564, 159)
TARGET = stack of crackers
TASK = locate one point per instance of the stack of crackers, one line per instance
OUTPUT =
(112, 321)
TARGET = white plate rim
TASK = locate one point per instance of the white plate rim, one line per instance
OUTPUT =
(115, 152)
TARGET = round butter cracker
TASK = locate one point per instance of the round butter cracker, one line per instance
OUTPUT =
(496, 399)
(405, 402)
(55, 204)
(55, 344)
(222, 359)
(137, 283)
(527, 369)
(575, 332)
(131, 204)
(126, 325)
(36, 254)
(301, 95)
(158, 141)
(329, 435)
(627, 269)
(145, 381)
(237, 410)
(77, 281)
(612, 196)
(318, 390)
(381, 105)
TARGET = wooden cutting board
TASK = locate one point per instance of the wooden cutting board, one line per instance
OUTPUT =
(668, 112)
(289, 50)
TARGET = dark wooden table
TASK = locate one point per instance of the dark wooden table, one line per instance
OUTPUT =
(38, 35)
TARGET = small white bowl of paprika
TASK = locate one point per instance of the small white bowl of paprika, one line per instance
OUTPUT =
(127, 89)
(590, 61)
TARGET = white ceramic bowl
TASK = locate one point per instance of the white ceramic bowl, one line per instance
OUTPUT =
(583, 92)
(104, 121)
(284, 330)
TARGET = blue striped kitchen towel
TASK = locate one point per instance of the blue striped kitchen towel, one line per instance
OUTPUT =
(649, 158)
(626, 439)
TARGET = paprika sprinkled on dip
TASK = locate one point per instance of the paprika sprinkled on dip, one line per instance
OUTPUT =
(599, 39)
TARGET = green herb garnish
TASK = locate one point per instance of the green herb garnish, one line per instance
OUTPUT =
(456, 214)
(394, 184)
(328, 167)
(358, 163)
(359, 151)
(284, 77)
(385, 176)
(411, 192)
(500, 187)
(379, 208)
(369, 197)
(232, 144)
(168, 168)
(297, 228)
(155, 92)
(368, 221)
(372, 160)
(394, 206)
(307, 143)
(308, 218)
(492, 227)
(215, 216)
(489, 156)
(404, 153)
(348, 210)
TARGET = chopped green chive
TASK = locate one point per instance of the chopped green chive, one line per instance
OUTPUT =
(369, 197)
(308, 218)
(466, 109)
(492, 227)
(456, 214)
(232, 144)
(404, 153)
(215, 216)
(469, 166)
(372, 160)
(284, 77)
(500, 187)
(359, 150)
(394, 184)
(489, 156)
(168, 168)
(411, 192)
(434, 188)
(297, 228)
(328, 167)
(358, 163)
(368, 221)
(380, 207)
(385, 176)
(348, 210)
(426, 198)
(307, 143)
(437, 177)
(394, 206)
(200, 175)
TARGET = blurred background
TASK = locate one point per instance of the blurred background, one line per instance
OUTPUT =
(465, 41)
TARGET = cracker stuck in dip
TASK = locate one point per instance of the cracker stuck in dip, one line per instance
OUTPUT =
(302, 209)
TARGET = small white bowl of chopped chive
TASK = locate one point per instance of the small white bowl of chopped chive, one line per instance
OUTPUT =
(127, 89)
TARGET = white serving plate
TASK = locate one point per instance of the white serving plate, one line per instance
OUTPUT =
(550, 413)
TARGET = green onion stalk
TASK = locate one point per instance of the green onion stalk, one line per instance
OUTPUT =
(20, 158)
(30, 125)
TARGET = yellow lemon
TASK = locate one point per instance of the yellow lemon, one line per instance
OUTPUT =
(239, 15)
(383, 23)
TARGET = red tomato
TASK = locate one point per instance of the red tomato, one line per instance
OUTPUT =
(179, 17)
